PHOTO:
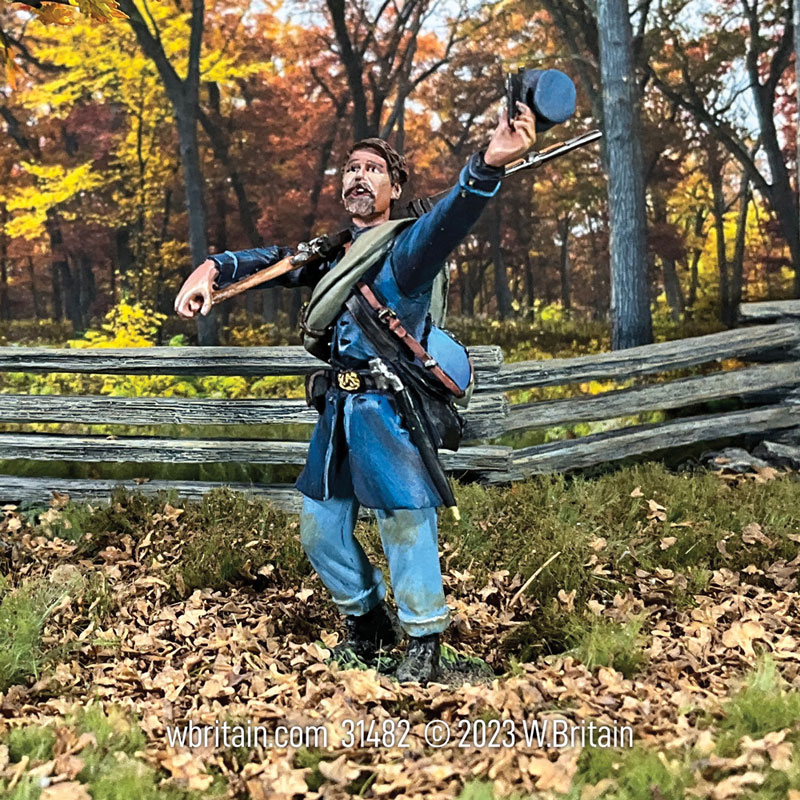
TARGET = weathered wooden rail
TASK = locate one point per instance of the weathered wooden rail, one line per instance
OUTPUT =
(488, 417)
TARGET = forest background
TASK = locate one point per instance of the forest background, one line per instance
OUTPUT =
(137, 139)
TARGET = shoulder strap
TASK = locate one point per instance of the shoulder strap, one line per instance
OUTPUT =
(390, 319)
(333, 289)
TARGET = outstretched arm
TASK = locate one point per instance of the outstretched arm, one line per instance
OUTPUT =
(420, 250)
(225, 268)
(234, 267)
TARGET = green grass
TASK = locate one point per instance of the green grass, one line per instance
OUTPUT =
(635, 772)
(601, 642)
(763, 704)
(28, 788)
(521, 527)
(23, 613)
(235, 537)
(225, 538)
(310, 758)
(36, 742)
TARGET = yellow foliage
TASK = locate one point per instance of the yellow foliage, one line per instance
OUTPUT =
(55, 184)
(101, 10)
(598, 387)
(126, 325)
(57, 14)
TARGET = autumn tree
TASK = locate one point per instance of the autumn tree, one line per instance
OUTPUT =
(692, 76)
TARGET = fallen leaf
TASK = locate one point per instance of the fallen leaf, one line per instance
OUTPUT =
(69, 790)
(730, 787)
(742, 634)
(667, 542)
(752, 533)
(657, 511)
(340, 770)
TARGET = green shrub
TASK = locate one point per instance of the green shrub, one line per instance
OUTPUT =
(23, 613)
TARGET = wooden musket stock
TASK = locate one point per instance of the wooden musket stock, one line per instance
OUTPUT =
(262, 276)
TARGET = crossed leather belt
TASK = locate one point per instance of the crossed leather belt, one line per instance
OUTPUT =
(352, 380)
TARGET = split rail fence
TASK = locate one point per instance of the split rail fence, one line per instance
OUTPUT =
(771, 345)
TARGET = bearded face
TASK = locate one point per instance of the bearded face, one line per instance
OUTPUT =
(367, 189)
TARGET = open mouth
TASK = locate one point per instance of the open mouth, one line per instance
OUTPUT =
(359, 191)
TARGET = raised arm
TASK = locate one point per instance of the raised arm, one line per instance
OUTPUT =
(420, 250)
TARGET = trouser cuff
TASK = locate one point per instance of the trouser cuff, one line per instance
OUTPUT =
(362, 603)
(425, 627)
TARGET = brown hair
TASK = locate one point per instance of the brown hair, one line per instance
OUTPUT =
(395, 162)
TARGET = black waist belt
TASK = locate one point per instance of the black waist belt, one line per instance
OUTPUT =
(353, 380)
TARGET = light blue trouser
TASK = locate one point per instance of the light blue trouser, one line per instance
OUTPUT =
(410, 542)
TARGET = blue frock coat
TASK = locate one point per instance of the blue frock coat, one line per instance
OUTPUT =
(359, 445)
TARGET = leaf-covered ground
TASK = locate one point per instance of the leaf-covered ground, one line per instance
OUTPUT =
(664, 602)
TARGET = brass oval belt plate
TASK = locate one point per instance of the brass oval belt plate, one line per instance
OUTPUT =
(349, 381)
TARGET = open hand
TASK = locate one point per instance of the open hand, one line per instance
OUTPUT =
(195, 294)
(511, 141)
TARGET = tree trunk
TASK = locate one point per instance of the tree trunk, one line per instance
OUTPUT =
(467, 290)
(184, 97)
(564, 263)
(672, 284)
(715, 178)
(162, 303)
(70, 281)
(37, 309)
(218, 138)
(124, 258)
(5, 306)
(251, 301)
(694, 284)
(530, 284)
(796, 21)
(737, 279)
(630, 302)
(501, 290)
(296, 300)
(672, 288)
(270, 303)
(87, 291)
(55, 287)
(354, 69)
(780, 191)
(186, 117)
(66, 286)
(112, 281)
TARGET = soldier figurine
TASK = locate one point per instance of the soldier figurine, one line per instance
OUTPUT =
(360, 452)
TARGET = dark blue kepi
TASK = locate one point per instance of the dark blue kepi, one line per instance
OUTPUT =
(549, 93)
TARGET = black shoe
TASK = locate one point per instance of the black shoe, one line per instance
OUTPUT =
(421, 662)
(378, 629)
